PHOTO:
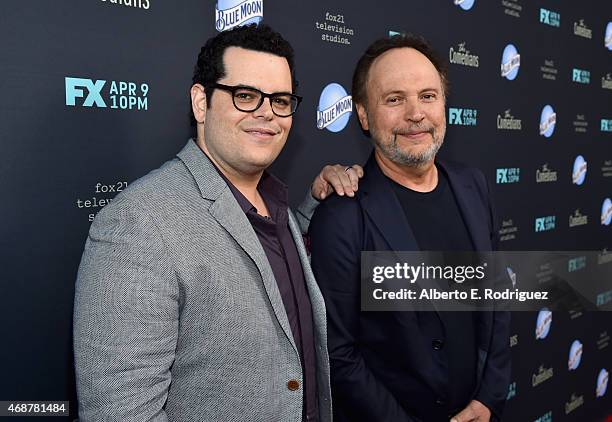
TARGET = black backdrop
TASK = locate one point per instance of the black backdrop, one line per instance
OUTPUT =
(57, 157)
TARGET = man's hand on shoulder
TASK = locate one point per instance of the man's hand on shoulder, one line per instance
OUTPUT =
(475, 411)
(340, 179)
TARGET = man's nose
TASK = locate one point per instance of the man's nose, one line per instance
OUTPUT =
(413, 110)
(265, 110)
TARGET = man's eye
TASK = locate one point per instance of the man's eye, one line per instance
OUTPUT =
(281, 101)
(394, 100)
(245, 96)
(429, 97)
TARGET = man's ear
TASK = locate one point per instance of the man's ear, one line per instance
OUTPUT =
(198, 102)
(363, 116)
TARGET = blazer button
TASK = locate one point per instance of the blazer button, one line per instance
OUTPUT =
(437, 344)
(293, 385)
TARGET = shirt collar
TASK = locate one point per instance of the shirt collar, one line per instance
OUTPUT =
(274, 192)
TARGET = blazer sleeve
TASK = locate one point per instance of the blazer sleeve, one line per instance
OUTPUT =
(305, 210)
(336, 234)
(125, 318)
(496, 374)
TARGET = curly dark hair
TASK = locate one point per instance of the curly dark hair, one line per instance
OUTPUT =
(209, 67)
(380, 46)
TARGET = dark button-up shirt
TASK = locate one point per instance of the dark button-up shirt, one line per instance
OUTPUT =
(278, 244)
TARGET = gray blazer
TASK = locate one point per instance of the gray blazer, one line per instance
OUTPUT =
(177, 313)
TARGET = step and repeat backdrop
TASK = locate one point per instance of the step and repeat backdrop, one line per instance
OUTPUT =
(96, 94)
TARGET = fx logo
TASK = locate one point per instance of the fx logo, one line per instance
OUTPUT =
(545, 223)
(120, 95)
(576, 264)
(507, 175)
(462, 116)
(549, 17)
(454, 116)
(502, 176)
(581, 76)
(74, 90)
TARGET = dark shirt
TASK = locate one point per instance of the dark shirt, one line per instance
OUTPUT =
(275, 237)
(437, 224)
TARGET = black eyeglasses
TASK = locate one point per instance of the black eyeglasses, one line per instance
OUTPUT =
(248, 99)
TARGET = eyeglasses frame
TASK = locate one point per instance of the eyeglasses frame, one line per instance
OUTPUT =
(232, 89)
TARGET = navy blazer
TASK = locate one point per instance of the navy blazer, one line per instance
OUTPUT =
(383, 364)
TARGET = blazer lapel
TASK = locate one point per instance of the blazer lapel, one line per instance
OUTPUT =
(384, 209)
(386, 213)
(316, 299)
(229, 215)
(472, 209)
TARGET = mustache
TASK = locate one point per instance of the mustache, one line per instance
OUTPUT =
(411, 130)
